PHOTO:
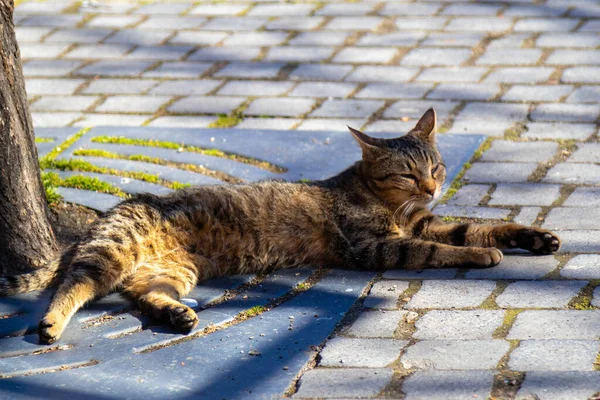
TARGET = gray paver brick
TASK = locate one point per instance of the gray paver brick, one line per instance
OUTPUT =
(520, 75)
(198, 38)
(49, 67)
(525, 194)
(394, 91)
(250, 70)
(134, 104)
(549, 93)
(541, 130)
(538, 10)
(585, 266)
(446, 273)
(568, 40)
(397, 8)
(376, 324)
(436, 56)
(540, 294)
(255, 88)
(52, 86)
(295, 23)
(495, 112)
(513, 40)
(115, 68)
(318, 38)
(370, 353)
(323, 89)
(590, 26)
(448, 385)
(179, 69)
(268, 38)
(234, 24)
(172, 22)
(225, 54)
(580, 241)
(566, 112)
(114, 21)
(218, 9)
(577, 57)
(280, 107)
(186, 87)
(118, 86)
(455, 74)
(554, 355)
(453, 39)
(41, 51)
(450, 294)
(510, 57)
(471, 212)
(320, 72)
(562, 385)
(160, 53)
(347, 108)
(70, 103)
(354, 23)
(365, 55)
(463, 325)
(420, 23)
(280, 10)
(140, 38)
(471, 9)
(78, 35)
(183, 121)
(517, 267)
(527, 215)
(385, 294)
(150, 9)
(584, 197)
(469, 195)
(586, 152)
(464, 91)
(299, 53)
(59, 21)
(326, 382)
(586, 94)
(596, 298)
(268, 123)
(206, 105)
(390, 126)
(401, 38)
(329, 124)
(52, 119)
(111, 120)
(506, 150)
(582, 74)
(381, 73)
(499, 172)
(455, 354)
(414, 109)
(479, 24)
(99, 52)
(31, 33)
(556, 324)
(574, 174)
(545, 24)
(346, 9)
(573, 218)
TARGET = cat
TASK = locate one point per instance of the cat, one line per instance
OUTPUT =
(373, 215)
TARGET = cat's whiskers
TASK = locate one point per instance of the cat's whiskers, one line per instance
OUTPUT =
(398, 209)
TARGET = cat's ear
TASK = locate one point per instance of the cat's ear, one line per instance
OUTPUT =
(370, 146)
(426, 127)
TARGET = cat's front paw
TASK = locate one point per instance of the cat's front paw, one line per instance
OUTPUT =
(536, 240)
(183, 318)
(49, 329)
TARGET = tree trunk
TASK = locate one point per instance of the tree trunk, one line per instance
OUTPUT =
(26, 237)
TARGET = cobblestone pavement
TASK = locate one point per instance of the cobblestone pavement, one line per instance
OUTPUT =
(525, 73)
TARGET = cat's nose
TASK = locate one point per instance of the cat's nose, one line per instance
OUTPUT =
(429, 187)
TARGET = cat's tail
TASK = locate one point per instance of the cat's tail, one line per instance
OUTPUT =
(22, 283)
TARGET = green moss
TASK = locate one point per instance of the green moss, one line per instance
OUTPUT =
(65, 145)
(49, 183)
(451, 220)
(485, 146)
(226, 121)
(93, 184)
(254, 311)
(302, 286)
(44, 140)
(510, 316)
(304, 180)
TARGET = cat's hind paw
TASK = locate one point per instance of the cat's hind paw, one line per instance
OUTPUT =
(538, 241)
(183, 318)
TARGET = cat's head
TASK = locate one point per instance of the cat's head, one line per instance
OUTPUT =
(404, 170)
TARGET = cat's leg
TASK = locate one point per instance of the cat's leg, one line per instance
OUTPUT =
(157, 288)
(405, 253)
(427, 226)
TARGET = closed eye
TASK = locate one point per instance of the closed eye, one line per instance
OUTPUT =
(409, 176)
(437, 168)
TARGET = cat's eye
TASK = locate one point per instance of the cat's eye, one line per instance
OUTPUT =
(409, 177)
(436, 168)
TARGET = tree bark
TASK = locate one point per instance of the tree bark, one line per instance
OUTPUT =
(26, 237)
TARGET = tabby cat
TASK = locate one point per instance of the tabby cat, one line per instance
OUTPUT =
(373, 215)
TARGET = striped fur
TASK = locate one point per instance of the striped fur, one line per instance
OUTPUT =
(372, 216)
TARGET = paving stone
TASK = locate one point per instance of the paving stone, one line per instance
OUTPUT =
(140, 38)
(472, 9)
(573, 173)
(517, 267)
(586, 152)
(225, 54)
(183, 121)
(41, 51)
(554, 355)
(270, 38)
(566, 112)
(420, 23)
(99, 51)
(455, 354)
(369, 353)
(186, 87)
(520, 75)
(495, 112)
(546, 294)
(471, 212)
(160, 53)
(78, 35)
(506, 150)
(280, 10)
(365, 55)
(52, 86)
(59, 21)
(111, 8)
(323, 89)
(541, 130)
(548, 93)
(514, 40)
(556, 324)
(52, 119)
(115, 68)
(545, 24)
(451, 294)
(250, 70)
(446, 273)
(537, 10)
(568, 40)
(499, 172)
(295, 23)
(114, 21)
(455, 74)
(347, 108)
(585, 266)
(527, 216)
(396, 8)
(381, 73)
(586, 94)
(436, 56)
(469, 195)
(443, 39)
(479, 24)
(464, 91)
(560, 385)
(573, 218)
(510, 57)
(334, 10)
(33, 34)
(454, 324)
(133, 104)
(583, 197)
(580, 241)
(596, 298)
(318, 38)
(479, 127)
(590, 26)
(376, 324)
(354, 23)
(41, 8)
(219, 9)
(70, 103)
(448, 385)
(330, 124)
(198, 38)
(577, 57)
(179, 69)
(206, 105)
(255, 88)
(324, 72)
(414, 109)
(391, 39)
(582, 74)
(359, 382)
(390, 126)
(394, 91)
(151, 9)
(299, 53)
(280, 107)
(172, 22)
(118, 86)
(268, 123)
(385, 294)
(111, 120)
(49, 67)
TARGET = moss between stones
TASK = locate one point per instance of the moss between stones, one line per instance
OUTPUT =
(44, 140)
(82, 182)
